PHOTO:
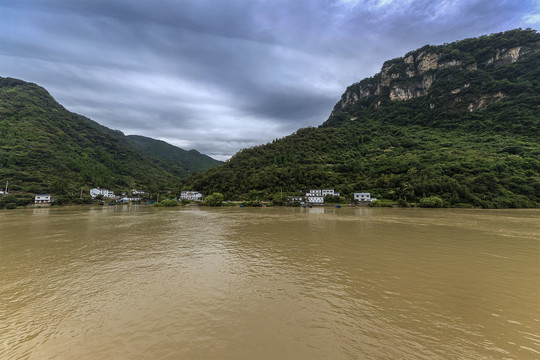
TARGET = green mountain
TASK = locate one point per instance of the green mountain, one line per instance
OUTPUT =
(190, 160)
(459, 121)
(45, 148)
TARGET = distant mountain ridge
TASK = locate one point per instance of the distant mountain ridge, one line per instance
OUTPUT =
(189, 160)
(458, 121)
(45, 148)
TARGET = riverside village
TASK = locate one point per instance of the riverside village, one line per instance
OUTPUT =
(312, 197)
(319, 197)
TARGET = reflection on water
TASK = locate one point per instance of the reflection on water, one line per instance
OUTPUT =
(132, 282)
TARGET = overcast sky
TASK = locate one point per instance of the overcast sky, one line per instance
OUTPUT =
(218, 76)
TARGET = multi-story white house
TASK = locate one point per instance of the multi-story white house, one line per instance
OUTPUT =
(327, 192)
(191, 195)
(330, 192)
(315, 199)
(105, 192)
(314, 192)
(42, 199)
(364, 197)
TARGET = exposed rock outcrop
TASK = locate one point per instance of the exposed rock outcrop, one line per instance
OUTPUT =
(417, 72)
(484, 101)
(506, 56)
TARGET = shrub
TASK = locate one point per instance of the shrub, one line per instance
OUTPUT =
(253, 203)
(383, 203)
(167, 202)
(403, 203)
(431, 202)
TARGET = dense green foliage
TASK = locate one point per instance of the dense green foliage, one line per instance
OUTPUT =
(214, 199)
(189, 160)
(12, 201)
(429, 148)
(431, 202)
(46, 149)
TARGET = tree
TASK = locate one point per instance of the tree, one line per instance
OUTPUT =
(214, 199)
(331, 199)
(59, 186)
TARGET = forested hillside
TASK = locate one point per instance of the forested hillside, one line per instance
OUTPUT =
(189, 160)
(459, 121)
(46, 149)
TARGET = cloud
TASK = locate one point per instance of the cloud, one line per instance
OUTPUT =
(219, 76)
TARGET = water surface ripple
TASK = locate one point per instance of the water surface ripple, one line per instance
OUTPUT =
(276, 283)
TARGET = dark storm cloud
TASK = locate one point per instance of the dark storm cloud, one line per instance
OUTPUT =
(219, 76)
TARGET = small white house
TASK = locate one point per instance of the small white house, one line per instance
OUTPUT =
(138, 192)
(105, 192)
(127, 199)
(295, 198)
(42, 199)
(363, 197)
(190, 195)
(315, 199)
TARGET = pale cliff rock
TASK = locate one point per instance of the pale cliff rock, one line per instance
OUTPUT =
(484, 101)
(427, 61)
(459, 89)
(507, 56)
(450, 63)
(427, 81)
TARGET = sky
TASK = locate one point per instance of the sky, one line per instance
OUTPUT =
(219, 76)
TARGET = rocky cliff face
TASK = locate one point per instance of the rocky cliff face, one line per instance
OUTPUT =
(417, 72)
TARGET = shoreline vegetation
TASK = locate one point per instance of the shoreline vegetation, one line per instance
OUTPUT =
(7, 203)
(240, 205)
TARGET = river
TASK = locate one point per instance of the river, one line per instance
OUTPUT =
(135, 282)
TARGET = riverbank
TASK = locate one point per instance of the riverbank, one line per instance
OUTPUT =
(383, 204)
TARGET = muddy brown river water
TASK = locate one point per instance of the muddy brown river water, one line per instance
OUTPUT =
(269, 283)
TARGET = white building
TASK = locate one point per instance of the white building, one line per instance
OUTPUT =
(42, 199)
(328, 192)
(105, 192)
(364, 197)
(138, 192)
(295, 198)
(190, 195)
(126, 199)
(315, 199)
(314, 192)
